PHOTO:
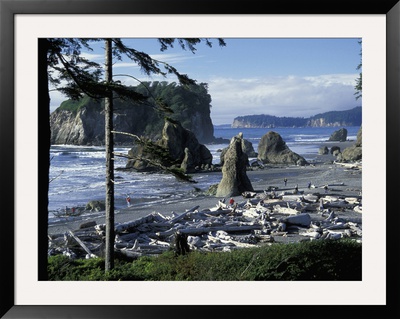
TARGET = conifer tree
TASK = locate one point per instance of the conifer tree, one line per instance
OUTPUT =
(358, 86)
(62, 65)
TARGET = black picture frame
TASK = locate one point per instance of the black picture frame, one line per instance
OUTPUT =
(8, 10)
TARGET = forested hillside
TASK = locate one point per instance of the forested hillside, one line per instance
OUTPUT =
(352, 117)
(82, 122)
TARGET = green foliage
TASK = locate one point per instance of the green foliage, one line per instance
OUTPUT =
(153, 101)
(264, 120)
(352, 116)
(75, 105)
(358, 86)
(314, 260)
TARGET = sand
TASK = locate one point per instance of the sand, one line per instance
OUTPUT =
(323, 171)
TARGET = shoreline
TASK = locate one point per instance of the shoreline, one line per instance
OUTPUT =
(321, 171)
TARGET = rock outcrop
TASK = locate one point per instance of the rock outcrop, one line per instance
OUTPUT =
(339, 135)
(335, 150)
(353, 153)
(323, 150)
(84, 125)
(181, 145)
(234, 177)
(247, 147)
(273, 149)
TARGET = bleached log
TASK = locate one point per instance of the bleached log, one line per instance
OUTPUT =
(285, 210)
(195, 241)
(300, 220)
(252, 213)
(349, 220)
(358, 209)
(181, 216)
(333, 236)
(123, 245)
(132, 224)
(312, 234)
(356, 165)
(261, 208)
(249, 194)
(170, 231)
(227, 228)
(329, 199)
(221, 234)
(292, 198)
(271, 201)
(230, 242)
(249, 203)
(352, 200)
(128, 225)
(159, 242)
(355, 228)
(337, 226)
(311, 198)
(80, 242)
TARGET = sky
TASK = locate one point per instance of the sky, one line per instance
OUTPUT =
(295, 77)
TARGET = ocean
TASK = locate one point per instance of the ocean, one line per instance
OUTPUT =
(77, 173)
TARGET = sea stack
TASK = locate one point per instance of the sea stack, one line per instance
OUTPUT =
(272, 149)
(234, 178)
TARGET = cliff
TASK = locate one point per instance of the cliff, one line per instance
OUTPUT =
(350, 117)
(82, 122)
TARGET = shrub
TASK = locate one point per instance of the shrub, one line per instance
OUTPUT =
(314, 260)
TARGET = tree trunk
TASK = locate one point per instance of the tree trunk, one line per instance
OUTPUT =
(110, 235)
(44, 156)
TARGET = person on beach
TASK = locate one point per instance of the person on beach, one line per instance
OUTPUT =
(285, 181)
(326, 188)
(231, 201)
(128, 200)
(309, 185)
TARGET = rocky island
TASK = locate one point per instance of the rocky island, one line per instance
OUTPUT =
(350, 117)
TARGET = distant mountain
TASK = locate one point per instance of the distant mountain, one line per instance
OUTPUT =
(352, 117)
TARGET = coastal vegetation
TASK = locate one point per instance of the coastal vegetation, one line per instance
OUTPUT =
(62, 65)
(189, 104)
(310, 260)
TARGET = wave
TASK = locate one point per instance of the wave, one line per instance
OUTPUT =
(79, 171)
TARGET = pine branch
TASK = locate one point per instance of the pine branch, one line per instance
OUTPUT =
(160, 154)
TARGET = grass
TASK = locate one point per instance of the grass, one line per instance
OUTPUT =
(314, 260)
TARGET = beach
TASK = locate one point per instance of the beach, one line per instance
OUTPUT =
(344, 181)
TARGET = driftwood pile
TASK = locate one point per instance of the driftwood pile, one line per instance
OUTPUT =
(265, 218)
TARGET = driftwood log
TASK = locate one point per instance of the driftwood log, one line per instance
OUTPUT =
(252, 222)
